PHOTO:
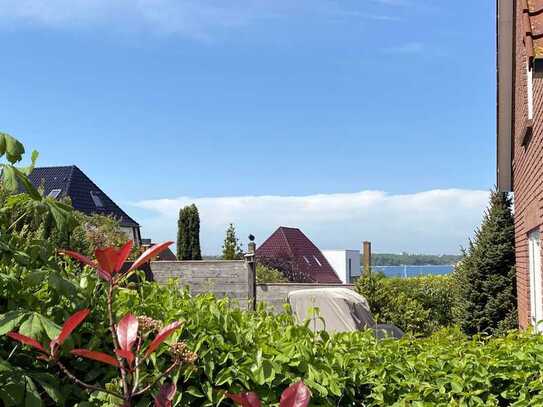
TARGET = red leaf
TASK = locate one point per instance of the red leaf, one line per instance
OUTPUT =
(27, 341)
(165, 396)
(104, 275)
(79, 257)
(245, 399)
(124, 252)
(71, 323)
(148, 254)
(85, 260)
(162, 336)
(99, 356)
(297, 395)
(107, 259)
(126, 354)
(127, 331)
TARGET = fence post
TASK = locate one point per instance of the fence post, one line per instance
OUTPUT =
(250, 259)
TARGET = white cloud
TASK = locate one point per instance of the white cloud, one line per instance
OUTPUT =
(437, 221)
(195, 18)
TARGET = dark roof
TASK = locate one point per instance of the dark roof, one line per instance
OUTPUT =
(85, 195)
(309, 260)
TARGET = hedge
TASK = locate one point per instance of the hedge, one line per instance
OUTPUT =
(239, 350)
(419, 305)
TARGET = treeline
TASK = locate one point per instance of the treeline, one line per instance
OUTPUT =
(407, 259)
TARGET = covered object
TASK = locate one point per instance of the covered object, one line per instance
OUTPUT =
(339, 310)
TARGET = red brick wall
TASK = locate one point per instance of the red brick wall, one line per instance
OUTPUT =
(527, 171)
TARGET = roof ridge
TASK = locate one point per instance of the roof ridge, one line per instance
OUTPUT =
(282, 229)
(70, 177)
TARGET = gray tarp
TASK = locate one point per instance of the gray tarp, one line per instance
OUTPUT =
(339, 310)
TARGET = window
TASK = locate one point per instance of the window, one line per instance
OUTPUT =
(317, 261)
(534, 267)
(54, 193)
(530, 91)
(307, 261)
(96, 199)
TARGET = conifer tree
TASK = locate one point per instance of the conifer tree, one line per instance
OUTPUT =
(486, 275)
(183, 239)
(232, 249)
(188, 234)
(194, 233)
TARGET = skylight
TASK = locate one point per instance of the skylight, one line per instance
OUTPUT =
(317, 260)
(307, 261)
(54, 193)
(96, 199)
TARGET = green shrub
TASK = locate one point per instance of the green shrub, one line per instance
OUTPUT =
(240, 350)
(266, 274)
(420, 305)
(257, 351)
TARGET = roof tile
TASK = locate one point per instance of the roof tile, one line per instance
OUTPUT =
(291, 242)
(74, 184)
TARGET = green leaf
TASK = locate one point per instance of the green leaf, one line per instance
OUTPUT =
(32, 326)
(52, 330)
(9, 178)
(10, 320)
(51, 386)
(32, 396)
(11, 147)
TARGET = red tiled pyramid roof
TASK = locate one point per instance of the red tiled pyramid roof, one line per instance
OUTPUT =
(292, 243)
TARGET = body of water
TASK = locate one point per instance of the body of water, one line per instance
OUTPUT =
(413, 271)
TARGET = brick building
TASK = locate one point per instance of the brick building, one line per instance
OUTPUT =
(520, 141)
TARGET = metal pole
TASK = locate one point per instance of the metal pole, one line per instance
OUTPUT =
(250, 258)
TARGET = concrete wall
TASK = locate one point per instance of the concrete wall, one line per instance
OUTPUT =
(221, 277)
(275, 294)
(226, 279)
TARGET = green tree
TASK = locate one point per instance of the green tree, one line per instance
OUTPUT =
(486, 277)
(194, 233)
(188, 234)
(232, 250)
(183, 235)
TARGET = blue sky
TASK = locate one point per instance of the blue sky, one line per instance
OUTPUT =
(178, 101)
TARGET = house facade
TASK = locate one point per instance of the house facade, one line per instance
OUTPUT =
(85, 195)
(346, 264)
(520, 141)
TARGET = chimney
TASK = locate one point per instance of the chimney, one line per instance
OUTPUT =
(366, 253)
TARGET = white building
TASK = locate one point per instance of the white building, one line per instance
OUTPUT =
(346, 263)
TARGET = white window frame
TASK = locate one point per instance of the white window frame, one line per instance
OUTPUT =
(536, 284)
(307, 261)
(97, 199)
(530, 90)
(54, 193)
(317, 260)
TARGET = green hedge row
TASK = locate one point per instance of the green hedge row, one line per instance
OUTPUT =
(258, 351)
(419, 305)
(239, 351)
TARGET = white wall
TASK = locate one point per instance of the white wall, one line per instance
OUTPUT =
(131, 233)
(343, 261)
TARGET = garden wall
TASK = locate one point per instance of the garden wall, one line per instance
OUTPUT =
(220, 277)
(275, 294)
(226, 278)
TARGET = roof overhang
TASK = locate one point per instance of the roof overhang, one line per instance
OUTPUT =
(505, 63)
